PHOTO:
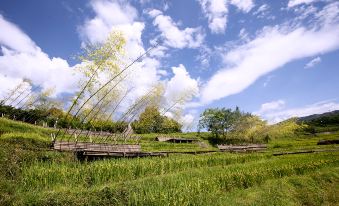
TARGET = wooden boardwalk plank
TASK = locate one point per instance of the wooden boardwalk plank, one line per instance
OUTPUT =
(95, 147)
(242, 148)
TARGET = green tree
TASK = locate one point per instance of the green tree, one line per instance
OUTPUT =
(151, 121)
(249, 127)
(218, 121)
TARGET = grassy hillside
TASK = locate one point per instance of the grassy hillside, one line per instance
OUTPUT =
(326, 122)
(32, 174)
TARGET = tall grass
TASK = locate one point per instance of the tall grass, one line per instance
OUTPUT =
(187, 188)
(199, 185)
(32, 174)
(316, 188)
(43, 175)
(10, 126)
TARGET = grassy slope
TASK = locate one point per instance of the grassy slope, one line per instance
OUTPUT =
(31, 174)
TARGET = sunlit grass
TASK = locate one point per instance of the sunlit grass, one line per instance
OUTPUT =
(33, 174)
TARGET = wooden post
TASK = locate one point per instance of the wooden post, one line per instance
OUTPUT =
(52, 137)
(90, 135)
(55, 124)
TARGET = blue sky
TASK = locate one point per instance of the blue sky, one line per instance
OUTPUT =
(277, 59)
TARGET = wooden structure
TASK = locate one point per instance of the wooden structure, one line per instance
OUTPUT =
(242, 148)
(326, 142)
(305, 151)
(86, 132)
(88, 144)
(174, 139)
(85, 150)
(95, 147)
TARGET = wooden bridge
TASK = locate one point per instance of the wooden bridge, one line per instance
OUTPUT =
(95, 150)
(175, 139)
(242, 148)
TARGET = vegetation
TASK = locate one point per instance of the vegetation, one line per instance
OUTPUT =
(194, 173)
(34, 175)
(228, 126)
(326, 122)
(151, 121)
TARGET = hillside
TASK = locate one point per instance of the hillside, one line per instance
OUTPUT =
(33, 174)
(333, 115)
(326, 122)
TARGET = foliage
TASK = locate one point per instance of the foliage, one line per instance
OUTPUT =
(236, 127)
(31, 116)
(107, 126)
(150, 121)
(101, 88)
(285, 129)
(326, 122)
(219, 121)
(232, 126)
(32, 174)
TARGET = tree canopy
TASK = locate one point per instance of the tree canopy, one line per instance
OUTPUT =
(151, 121)
(219, 121)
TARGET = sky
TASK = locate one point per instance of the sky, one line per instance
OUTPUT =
(276, 59)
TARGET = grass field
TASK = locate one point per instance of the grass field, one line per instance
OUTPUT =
(32, 174)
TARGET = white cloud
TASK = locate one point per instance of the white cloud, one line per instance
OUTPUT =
(293, 3)
(271, 106)
(22, 58)
(114, 13)
(246, 63)
(313, 62)
(204, 57)
(328, 15)
(96, 29)
(243, 35)
(154, 12)
(147, 72)
(274, 116)
(188, 122)
(159, 51)
(175, 37)
(244, 5)
(216, 11)
(15, 39)
(143, 74)
(261, 9)
(268, 79)
(180, 82)
(304, 12)
(263, 12)
(7, 83)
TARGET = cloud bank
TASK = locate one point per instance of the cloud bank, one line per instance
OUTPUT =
(272, 48)
(274, 111)
(22, 58)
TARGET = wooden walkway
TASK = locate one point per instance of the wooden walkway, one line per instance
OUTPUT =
(305, 151)
(88, 150)
(94, 150)
(175, 139)
(242, 148)
(95, 147)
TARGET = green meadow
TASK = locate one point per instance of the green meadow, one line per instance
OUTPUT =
(33, 174)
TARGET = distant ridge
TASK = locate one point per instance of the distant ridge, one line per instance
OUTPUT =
(326, 115)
